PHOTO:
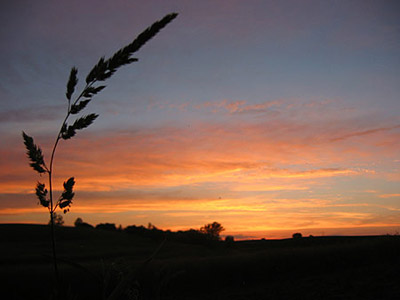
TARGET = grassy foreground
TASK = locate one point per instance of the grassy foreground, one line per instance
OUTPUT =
(94, 260)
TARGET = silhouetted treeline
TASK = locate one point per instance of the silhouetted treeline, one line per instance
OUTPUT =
(205, 235)
(106, 226)
(191, 236)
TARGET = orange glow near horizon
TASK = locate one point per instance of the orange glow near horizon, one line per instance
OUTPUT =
(244, 177)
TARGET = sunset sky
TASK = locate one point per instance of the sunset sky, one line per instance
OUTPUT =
(269, 117)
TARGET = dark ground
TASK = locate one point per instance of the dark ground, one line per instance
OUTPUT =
(93, 262)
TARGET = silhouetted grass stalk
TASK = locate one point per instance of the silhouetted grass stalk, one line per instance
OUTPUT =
(103, 70)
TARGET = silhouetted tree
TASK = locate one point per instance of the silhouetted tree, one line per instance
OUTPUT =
(106, 226)
(58, 220)
(151, 226)
(79, 223)
(103, 70)
(229, 241)
(212, 230)
(297, 235)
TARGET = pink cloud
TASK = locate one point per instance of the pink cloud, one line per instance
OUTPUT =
(209, 152)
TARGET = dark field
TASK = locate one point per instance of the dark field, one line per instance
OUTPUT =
(93, 262)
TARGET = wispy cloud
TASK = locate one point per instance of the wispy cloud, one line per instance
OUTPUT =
(389, 196)
(316, 173)
(224, 106)
(239, 106)
(32, 114)
(364, 132)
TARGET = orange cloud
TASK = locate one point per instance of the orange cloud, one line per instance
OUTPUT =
(389, 195)
(172, 156)
(258, 174)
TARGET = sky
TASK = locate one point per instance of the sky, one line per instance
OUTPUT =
(269, 117)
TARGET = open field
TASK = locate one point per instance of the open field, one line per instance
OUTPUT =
(306, 268)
